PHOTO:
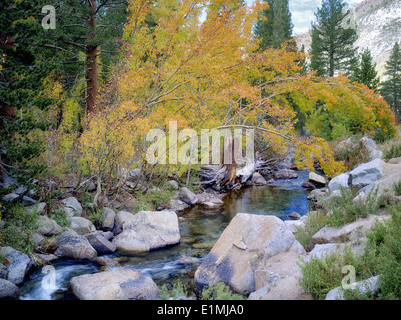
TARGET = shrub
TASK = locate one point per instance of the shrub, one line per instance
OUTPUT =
(60, 216)
(18, 229)
(319, 276)
(397, 188)
(177, 292)
(219, 291)
(317, 220)
(393, 152)
(344, 210)
(96, 217)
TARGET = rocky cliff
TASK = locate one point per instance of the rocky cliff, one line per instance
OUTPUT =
(378, 24)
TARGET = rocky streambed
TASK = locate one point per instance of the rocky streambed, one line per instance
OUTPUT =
(174, 252)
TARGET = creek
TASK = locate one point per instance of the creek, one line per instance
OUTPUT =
(199, 228)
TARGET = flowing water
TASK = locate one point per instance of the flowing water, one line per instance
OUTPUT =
(199, 230)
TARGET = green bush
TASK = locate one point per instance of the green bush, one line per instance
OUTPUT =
(397, 188)
(344, 210)
(18, 229)
(96, 217)
(60, 216)
(177, 292)
(382, 256)
(319, 276)
(393, 152)
(219, 291)
(153, 199)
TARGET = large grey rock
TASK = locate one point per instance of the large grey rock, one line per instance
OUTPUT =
(27, 201)
(48, 227)
(188, 196)
(100, 243)
(117, 284)
(19, 266)
(108, 219)
(8, 290)
(370, 285)
(147, 231)
(81, 225)
(11, 197)
(367, 173)
(352, 230)
(320, 251)
(277, 278)
(340, 182)
(121, 218)
(248, 238)
(72, 245)
(74, 206)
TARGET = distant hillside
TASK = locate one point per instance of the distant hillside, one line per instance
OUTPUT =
(378, 24)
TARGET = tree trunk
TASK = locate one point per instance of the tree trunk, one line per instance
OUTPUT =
(91, 61)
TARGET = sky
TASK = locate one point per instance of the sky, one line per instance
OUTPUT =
(302, 12)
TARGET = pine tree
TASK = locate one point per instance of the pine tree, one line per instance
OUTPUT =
(391, 88)
(276, 26)
(332, 45)
(365, 71)
(87, 30)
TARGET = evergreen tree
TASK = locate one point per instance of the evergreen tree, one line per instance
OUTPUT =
(276, 26)
(332, 45)
(391, 88)
(365, 71)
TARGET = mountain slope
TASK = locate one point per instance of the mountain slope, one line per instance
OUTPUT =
(378, 24)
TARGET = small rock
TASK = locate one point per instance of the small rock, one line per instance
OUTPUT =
(11, 197)
(317, 179)
(286, 174)
(47, 258)
(308, 185)
(73, 204)
(340, 182)
(173, 184)
(108, 219)
(134, 175)
(188, 196)
(8, 290)
(294, 216)
(19, 266)
(38, 208)
(189, 260)
(81, 225)
(370, 285)
(258, 179)
(100, 243)
(48, 227)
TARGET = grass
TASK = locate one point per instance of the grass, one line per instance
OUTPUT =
(219, 291)
(336, 212)
(382, 256)
(393, 152)
(177, 292)
(397, 188)
(150, 201)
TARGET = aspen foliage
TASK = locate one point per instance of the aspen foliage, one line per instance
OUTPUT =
(198, 63)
